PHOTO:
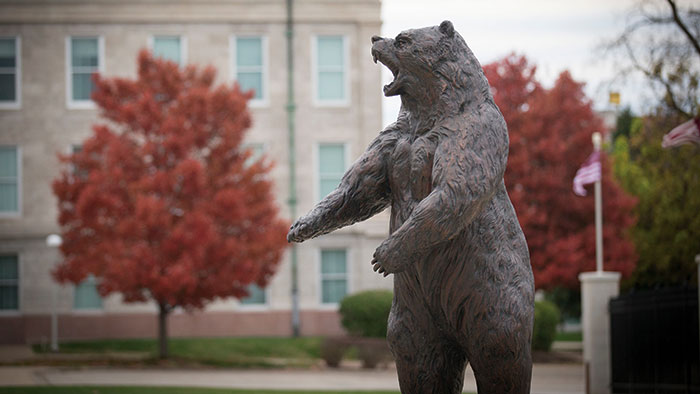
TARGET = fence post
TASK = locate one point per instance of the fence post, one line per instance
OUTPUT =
(597, 288)
(697, 261)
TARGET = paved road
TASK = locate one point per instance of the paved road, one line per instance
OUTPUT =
(547, 378)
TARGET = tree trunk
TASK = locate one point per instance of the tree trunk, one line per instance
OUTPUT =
(163, 311)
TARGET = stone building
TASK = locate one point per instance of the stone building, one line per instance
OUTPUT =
(49, 49)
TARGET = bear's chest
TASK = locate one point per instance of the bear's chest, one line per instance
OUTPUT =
(412, 167)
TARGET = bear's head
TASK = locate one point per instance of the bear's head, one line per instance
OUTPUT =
(429, 59)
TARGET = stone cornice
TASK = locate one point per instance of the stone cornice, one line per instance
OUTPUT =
(190, 11)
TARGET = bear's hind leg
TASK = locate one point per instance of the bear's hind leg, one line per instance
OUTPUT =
(502, 364)
(426, 362)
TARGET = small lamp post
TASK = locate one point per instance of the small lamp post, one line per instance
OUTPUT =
(54, 241)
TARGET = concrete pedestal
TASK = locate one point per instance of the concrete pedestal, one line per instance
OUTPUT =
(597, 288)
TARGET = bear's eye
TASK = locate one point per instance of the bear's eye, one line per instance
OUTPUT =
(402, 41)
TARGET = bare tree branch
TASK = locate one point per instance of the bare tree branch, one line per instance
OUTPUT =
(651, 75)
(651, 47)
(693, 40)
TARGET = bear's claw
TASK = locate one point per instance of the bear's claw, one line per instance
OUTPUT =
(295, 233)
(377, 266)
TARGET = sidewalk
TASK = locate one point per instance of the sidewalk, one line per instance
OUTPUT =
(546, 378)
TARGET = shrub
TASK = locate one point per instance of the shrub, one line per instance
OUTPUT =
(332, 351)
(372, 351)
(567, 300)
(546, 320)
(366, 313)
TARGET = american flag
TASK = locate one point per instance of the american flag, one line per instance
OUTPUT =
(685, 133)
(587, 174)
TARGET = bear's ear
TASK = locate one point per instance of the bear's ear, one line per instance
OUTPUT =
(447, 29)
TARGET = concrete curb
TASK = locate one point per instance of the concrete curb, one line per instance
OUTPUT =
(547, 378)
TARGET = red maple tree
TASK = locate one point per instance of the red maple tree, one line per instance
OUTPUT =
(162, 202)
(550, 137)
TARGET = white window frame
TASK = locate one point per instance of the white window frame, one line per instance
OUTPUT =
(233, 70)
(183, 45)
(15, 312)
(81, 104)
(317, 164)
(319, 277)
(17, 104)
(18, 213)
(345, 102)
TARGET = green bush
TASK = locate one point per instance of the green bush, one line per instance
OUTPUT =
(568, 302)
(546, 320)
(365, 313)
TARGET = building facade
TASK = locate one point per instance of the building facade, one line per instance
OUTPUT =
(49, 49)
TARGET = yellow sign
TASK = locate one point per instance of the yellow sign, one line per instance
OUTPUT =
(614, 98)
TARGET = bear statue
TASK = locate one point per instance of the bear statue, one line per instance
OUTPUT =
(463, 285)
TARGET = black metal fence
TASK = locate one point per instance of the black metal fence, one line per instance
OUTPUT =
(655, 342)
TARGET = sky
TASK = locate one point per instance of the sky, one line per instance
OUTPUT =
(556, 35)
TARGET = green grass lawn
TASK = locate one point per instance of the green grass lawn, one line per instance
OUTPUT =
(230, 352)
(569, 336)
(161, 390)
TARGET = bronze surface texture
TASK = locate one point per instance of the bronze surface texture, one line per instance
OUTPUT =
(463, 285)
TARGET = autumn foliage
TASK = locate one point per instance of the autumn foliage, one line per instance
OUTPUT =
(162, 202)
(550, 137)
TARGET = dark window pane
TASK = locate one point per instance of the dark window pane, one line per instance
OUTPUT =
(167, 48)
(8, 52)
(82, 86)
(8, 267)
(8, 297)
(86, 295)
(84, 52)
(251, 81)
(249, 51)
(7, 87)
(256, 296)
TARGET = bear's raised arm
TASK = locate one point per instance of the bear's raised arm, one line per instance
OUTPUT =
(362, 193)
(467, 170)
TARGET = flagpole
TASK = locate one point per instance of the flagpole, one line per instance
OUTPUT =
(598, 211)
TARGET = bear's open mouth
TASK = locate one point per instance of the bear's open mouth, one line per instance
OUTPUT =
(393, 87)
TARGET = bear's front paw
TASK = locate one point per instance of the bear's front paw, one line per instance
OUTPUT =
(299, 232)
(387, 259)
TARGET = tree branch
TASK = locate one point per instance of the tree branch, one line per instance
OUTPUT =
(683, 27)
(651, 75)
(670, 96)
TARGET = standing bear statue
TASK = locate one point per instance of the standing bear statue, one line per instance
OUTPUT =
(463, 285)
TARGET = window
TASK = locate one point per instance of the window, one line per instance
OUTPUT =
(84, 59)
(9, 180)
(331, 73)
(80, 173)
(331, 166)
(169, 48)
(9, 282)
(86, 295)
(256, 150)
(9, 72)
(256, 296)
(249, 64)
(334, 278)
